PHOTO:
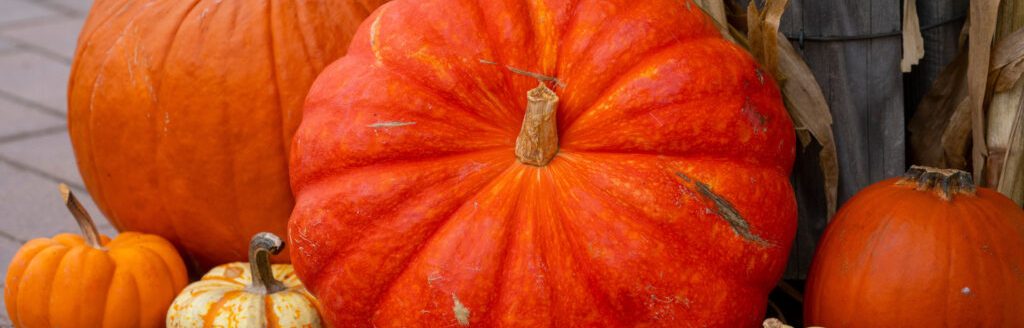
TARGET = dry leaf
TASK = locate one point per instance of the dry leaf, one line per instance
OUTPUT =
(1011, 182)
(1002, 112)
(1007, 61)
(913, 43)
(763, 31)
(955, 135)
(928, 126)
(983, 27)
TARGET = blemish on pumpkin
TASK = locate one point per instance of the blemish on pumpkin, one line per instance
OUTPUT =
(966, 291)
(987, 249)
(460, 311)
(760, 75)
(434, 276)
(374, 32)
(167, 120)
(656, 120)
(755, 117)
(390, 124)
(724, 209)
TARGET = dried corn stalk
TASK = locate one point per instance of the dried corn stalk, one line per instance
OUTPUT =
(955, 113)
(1005, 125)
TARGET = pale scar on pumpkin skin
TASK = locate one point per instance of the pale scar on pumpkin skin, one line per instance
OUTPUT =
(724, 209)
(374, 32)
(390, 124)
(460, 311)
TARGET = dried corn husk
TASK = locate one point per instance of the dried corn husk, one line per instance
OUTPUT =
(983, 17)
(913, 42)
(955, 109)
(1005, 162)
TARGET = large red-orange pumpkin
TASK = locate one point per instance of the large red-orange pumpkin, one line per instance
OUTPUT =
(925, 250)
(181, 112)
(646, 186)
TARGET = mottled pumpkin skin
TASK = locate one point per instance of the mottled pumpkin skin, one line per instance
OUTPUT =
(899, 257)
(220, 299)
(63, 282)
(181, 112)
(413, 211)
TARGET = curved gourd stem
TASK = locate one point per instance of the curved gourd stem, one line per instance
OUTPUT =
(92, 236)
(946, 182)
(261, 247)
(538, 140)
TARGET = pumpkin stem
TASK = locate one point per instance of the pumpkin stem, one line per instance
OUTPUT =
(92, 236)
(538, 140)
(261, 247)
(946, 182)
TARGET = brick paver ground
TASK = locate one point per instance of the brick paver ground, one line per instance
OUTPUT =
(37, 40)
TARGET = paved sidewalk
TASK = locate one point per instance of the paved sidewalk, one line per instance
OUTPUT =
(37, 40)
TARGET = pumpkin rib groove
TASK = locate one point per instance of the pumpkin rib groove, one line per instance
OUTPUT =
(18, 265)
(315, 180)
(181, 280)
(498, 57)
(418, 256)
(499, 273)
(444, 97)
(54, 253)
(636, 216)
(397, 68)
(604, 305)
(106, 291)
(430, 237)
(620, 74)
(867, 254)
(629, 74)
(103, 286)
(275, 76)
(574, 235)
(333, 259)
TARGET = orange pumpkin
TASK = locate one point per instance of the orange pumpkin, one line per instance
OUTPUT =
(925, 250)
(644, 181)
(197, 100)
(69, 281)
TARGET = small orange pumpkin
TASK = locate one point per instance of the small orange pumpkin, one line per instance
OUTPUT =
(71, 281)
(927, 250)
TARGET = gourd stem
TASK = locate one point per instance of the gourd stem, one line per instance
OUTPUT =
(89, 232)
(538, 140)
(946, 182)
(261, 247)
